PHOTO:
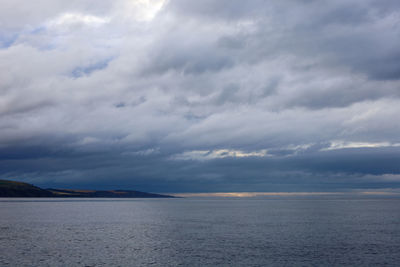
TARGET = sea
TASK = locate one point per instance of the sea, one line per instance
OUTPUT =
(200, 232)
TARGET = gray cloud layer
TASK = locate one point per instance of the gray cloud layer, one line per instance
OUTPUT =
(196, 96)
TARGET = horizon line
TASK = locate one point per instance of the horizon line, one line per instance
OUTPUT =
(390, 192)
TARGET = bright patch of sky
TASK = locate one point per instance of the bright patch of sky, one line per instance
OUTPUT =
(217, 154)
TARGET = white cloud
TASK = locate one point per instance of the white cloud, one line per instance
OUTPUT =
(217, 154)
(343, 144)
(77, 19)
(145, 10)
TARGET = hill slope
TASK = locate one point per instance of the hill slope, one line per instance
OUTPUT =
(109, 193)
(19, 189)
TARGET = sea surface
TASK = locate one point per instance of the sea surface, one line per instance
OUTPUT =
(200, 232)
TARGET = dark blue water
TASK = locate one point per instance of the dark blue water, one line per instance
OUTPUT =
(198, 232)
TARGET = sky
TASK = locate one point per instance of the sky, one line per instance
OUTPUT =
(201, 96)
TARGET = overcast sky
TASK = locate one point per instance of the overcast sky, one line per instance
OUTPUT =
(201, 96)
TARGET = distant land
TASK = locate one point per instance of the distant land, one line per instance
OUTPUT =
(20, 189)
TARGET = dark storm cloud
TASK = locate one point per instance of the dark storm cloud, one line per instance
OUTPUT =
(197, 96)
(329, 171)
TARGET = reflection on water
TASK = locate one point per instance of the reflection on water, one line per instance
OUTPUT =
(194, 232)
